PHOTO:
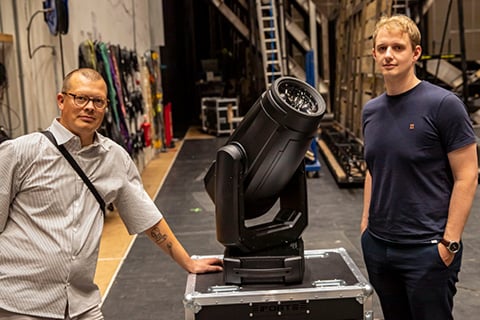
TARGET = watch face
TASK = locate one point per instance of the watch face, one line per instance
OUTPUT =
(454, 246)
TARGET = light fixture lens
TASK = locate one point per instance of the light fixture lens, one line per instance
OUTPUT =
(297, 98)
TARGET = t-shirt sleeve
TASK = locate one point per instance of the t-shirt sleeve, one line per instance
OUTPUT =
(455, 125)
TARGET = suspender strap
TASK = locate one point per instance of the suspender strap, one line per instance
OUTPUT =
(77, 168)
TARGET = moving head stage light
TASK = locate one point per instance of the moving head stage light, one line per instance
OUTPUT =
(261, 168)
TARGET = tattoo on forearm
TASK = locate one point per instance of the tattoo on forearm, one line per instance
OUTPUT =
(157, 236)
(160, 238)
(170, 250)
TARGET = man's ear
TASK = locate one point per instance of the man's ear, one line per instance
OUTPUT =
(60, 100)
(417, 53)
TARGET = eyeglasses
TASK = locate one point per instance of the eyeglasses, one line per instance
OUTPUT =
(81, 100)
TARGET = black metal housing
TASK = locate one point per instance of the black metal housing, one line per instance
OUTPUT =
(262, 163)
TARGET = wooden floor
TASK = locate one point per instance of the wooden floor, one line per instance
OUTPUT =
(116, 241)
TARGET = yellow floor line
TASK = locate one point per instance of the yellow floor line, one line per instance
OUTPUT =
(116, 243)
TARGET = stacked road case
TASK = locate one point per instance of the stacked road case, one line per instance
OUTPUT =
(219, 115)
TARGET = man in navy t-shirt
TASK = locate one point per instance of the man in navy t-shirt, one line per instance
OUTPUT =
(421, 155)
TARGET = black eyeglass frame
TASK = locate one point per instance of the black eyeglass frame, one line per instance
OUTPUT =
(94, 100)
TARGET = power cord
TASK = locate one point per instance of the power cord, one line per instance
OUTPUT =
(30, 53)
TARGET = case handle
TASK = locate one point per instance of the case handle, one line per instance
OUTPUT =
(329, 283)
(217, 289)
(262, 273)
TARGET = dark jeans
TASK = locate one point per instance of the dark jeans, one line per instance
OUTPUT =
(411, 281)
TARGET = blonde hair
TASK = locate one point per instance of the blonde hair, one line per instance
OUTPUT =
(88, 73)
(401, 23)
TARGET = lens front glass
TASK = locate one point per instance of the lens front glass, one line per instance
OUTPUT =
(298, 98)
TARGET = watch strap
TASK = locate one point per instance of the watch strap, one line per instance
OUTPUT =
(445, 242)
(452, 246)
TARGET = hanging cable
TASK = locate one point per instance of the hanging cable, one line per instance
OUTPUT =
(30, 53)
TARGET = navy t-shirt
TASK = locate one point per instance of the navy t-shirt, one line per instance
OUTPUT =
(407, 138)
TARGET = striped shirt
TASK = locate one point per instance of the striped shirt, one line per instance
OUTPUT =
(51, 224)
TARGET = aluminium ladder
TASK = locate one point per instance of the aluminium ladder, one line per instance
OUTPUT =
(269, 41)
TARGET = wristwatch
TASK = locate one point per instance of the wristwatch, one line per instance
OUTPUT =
(452, 246)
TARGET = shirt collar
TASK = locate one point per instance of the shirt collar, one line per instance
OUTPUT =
(63, 135)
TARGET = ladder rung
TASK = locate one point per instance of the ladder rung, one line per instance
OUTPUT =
(267, 21)
(270, 41)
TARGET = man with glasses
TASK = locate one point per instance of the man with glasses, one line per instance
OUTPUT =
(51, 224)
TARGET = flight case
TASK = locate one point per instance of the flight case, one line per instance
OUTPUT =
(333, 288)
(215, 115)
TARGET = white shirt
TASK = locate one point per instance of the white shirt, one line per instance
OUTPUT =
(51, 224)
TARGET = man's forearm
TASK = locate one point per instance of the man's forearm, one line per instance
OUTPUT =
(367, 194)
(163, 237)
(460, 205)
(464, 165)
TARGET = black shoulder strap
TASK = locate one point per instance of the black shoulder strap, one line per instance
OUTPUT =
(77, 168)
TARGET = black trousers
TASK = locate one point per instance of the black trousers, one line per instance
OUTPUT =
(412, 281)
